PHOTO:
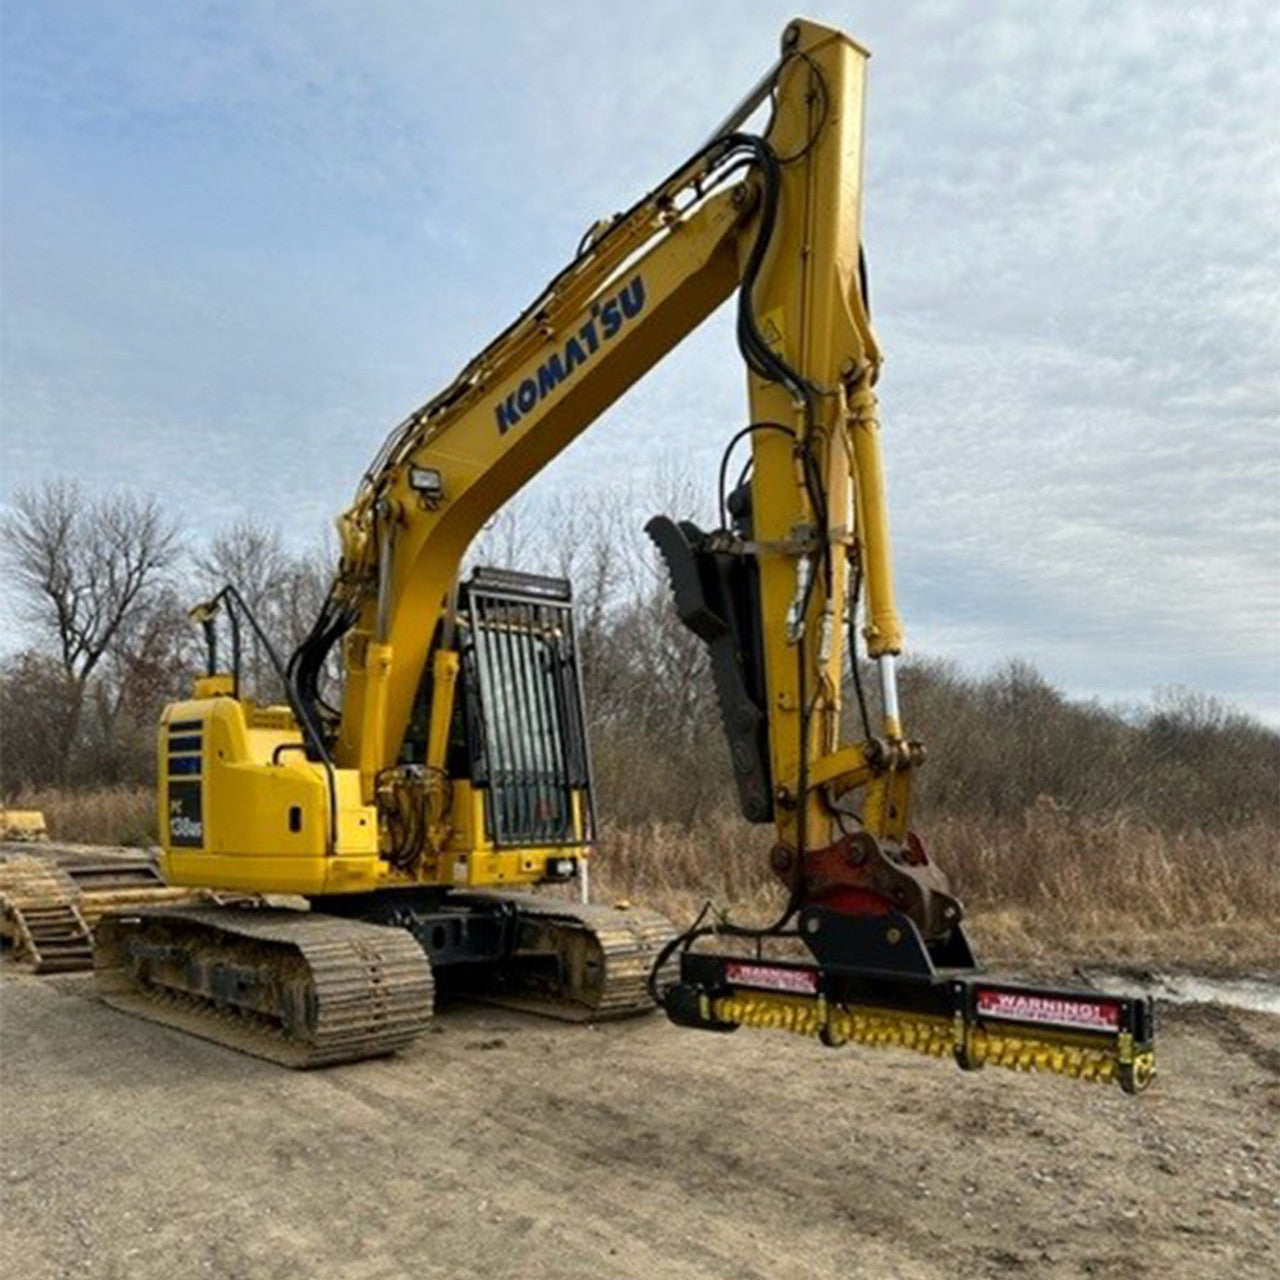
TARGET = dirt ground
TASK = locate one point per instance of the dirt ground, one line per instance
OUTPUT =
(501, 1146)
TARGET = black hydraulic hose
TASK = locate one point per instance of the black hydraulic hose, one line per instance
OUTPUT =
(306, 664)
(301, 713)
(728, 450)
(234, 622)
(760, 357)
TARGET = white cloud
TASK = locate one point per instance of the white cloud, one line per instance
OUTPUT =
(241, 242)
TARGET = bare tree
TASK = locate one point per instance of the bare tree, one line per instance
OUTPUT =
(34, 705)
(87, 569)
(151, 661)
(284, 592)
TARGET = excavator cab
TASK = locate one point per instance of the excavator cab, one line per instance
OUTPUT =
(525, 736)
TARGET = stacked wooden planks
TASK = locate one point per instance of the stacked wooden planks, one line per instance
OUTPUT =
(52, 896)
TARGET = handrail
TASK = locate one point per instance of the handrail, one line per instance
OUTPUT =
(310, 732)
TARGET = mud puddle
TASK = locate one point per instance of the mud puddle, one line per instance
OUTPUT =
(1260, 995)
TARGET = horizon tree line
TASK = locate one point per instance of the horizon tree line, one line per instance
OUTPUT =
(104, 585)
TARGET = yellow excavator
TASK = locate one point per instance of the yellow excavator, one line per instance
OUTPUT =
(416, 811)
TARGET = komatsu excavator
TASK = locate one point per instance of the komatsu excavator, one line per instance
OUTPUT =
(453, 777)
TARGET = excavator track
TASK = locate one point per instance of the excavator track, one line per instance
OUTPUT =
(578, 962)
(298, 988)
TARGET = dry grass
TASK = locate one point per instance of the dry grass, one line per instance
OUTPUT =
(1049, 888)
(1088, 869)
(1024, 939)
(96, 815)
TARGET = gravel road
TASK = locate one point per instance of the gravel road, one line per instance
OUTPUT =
(501, 1146)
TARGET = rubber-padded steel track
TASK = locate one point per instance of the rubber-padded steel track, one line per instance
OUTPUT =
(297, 988)
(576, 961)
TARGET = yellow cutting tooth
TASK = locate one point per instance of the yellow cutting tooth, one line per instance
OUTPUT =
(929, 1035)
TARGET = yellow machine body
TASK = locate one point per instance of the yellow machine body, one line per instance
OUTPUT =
(242, 808)
(23, 826)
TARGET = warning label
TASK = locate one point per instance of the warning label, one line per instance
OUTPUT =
(1058, 1011)
(766, 976)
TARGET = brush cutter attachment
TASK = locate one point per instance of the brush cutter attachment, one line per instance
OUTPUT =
(890, 964)
(878, 982)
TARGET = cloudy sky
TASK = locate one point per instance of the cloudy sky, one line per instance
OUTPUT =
(241, 240)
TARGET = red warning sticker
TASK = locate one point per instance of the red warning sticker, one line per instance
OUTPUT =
(804, 981)
(1059, 1011)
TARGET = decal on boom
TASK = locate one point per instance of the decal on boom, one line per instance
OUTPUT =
(606, 320)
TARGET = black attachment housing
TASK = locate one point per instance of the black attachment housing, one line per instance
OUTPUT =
(890, 944)
(966, 999)
(717, 596)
